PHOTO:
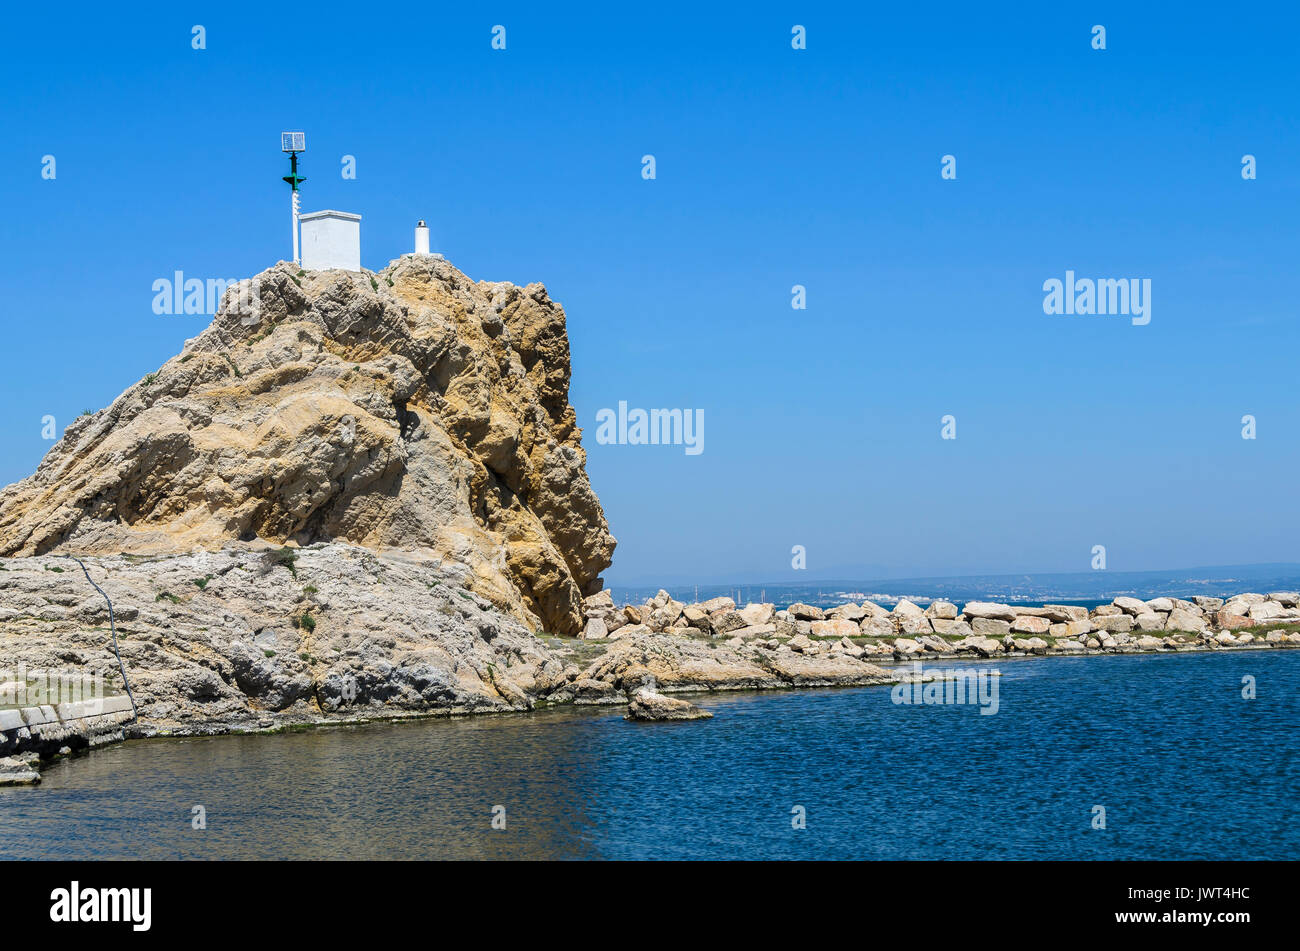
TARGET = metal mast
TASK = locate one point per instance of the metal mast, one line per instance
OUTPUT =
(293, 143)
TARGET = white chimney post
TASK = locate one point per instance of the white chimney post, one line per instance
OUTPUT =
(293, 213)
(421, 238)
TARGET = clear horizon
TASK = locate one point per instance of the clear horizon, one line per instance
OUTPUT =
(1283, 566)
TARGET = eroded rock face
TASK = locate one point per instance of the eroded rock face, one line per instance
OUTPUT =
(239, 635)
(413, 408)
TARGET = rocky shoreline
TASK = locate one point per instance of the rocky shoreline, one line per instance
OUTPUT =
(259, 638)
(359, 496)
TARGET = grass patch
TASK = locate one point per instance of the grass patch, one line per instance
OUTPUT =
(268, 654)
(308, 622)
(202, 583)
(167, 596)
(54, 568)
(1284, 627)
(286, 558)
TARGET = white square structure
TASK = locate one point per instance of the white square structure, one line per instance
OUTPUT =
(331, 239)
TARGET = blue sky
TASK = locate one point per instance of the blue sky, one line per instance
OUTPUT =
(775, 167)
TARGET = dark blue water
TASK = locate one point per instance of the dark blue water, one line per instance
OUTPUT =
(1185, 767)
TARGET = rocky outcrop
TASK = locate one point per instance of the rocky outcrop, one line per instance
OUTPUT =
(686, 663)
(248, 638)
(411, 408)
(646, 703)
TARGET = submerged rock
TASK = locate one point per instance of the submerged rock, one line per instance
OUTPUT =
(16, 771)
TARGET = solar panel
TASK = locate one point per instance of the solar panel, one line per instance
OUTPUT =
(293, 142)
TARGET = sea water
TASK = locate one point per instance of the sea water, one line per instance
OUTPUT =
(1181, 763)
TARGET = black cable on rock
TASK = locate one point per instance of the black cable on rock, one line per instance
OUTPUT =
(135, 714)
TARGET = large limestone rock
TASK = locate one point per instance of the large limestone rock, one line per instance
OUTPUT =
(726, 621)
(847, 612)
(1132, 606)
(1117, 623)
(1071, 629)
(942, 610)
(877, 627)
(679, 663)
(413, 408)
(714, 604)
(805, 612)
(906, 608)
(830, 669)
(984, 646)
(835, 627)
(990, 627)
(241, 635)
(955, 628)
(1032, 645)
(986, 609)
(913, 626)
(646, 703)
(1266, 610)
(697, 618)
(874, 610)
(1025, 624)
(1183, 620)
(1064, 613)
(1226, 619)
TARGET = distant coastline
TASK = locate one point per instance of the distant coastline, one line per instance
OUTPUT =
(1087, 588)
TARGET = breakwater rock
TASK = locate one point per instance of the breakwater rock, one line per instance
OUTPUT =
(978, 628)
